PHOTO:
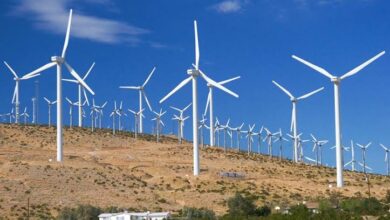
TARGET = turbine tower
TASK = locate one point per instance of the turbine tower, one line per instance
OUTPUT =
(294, 101)
(336, 83)
(81, 89)
(141, 92)
(58, 61)
(386, 158)
(194, 73)
(49, 103)
(210, 102)
(15, 97)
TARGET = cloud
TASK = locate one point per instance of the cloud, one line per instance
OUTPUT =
(52, 15)
(228, 6)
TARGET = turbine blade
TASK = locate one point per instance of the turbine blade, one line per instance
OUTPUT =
(70, 80)
(130, 87)
(89, 71)
(40, 69)
(310, 94)
(12, 70)
(228, 80)
(47, 100)
(363, 65)
(283, 89)
(67, 34)
(31, 76)
(316, 68)
(183, 83)
(215, 84)
(146, 99)
(77, 76)
(184, 109)
(150, 75)
(86, 97)
(196, 46)
(207, 103)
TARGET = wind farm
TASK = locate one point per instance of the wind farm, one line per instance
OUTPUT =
(189, 141)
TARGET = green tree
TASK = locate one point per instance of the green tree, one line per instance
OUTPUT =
(241, 206)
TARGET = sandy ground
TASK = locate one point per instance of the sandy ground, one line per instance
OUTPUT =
(106, 170)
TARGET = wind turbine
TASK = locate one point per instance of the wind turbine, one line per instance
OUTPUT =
(194, 73)
(300, 147)
(81, 89)
(202, 124)
(316, 147)
(141, 92)
(180, 121)
(353, 160)
(210, 103)
(259, 139)
(386, 157)
(137, 116)
(225, 129)
(10, 115)
(25, 115)
(113, 113)
(100, 111)
(280, 138)
(294, 101)
(49, 103)
(58, 61)
(158, 122)
(71, 104)
(238, 132)
(268, 138)
(15, 98)
(336, 82)
(249, 134)
(181, 112)
(364, 148)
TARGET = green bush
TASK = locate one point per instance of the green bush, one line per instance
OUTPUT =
(367, 206)
(81, 212)
(197, 214)
(241, 206)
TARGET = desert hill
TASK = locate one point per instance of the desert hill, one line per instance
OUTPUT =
(116, 170)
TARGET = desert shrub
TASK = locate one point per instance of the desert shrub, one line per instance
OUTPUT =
(241, 206)
(81, 212)
(367, 206)
(198, 214)
(263, 211)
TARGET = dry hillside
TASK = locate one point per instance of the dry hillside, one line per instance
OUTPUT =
(106, 170)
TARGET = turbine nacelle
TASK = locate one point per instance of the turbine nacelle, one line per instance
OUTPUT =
(193, 72)
(335, 79)
(58, 59)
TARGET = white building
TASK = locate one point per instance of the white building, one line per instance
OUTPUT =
(135, 216)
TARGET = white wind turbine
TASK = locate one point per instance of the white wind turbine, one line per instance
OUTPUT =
(364, 149)
(181, 112)
(300, 147)
(387, 150)
(202, 124)
(336, 82)
(352, 162)
(71, 104)
(180, 122)
(238, 132)
(15, 97)
(249, 134)
(293, 126)
(25, 115)
(280, 138)
(99, 109)
(49, 103)
(210, 102)
(194, 73)
(268, 137)
(158, 122)
(81, 89)
(58, 61)
(225, 129)
(316, 147)
(141, 93)
(217, 128)
(137, 116)
(113, 114)
(10, 115)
